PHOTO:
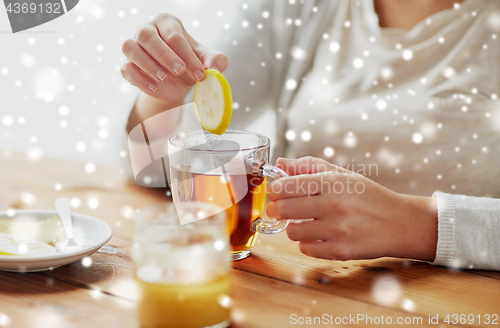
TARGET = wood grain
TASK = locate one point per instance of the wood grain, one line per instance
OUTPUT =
(34, 300)
(275, 282)
(434, 290)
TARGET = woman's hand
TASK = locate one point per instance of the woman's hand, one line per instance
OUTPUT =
(346, 216)
(165, 61)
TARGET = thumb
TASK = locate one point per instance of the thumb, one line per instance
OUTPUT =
(307, 165)
(216, 60)
(211, 58)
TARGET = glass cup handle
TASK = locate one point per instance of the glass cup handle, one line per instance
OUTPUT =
(259, 225)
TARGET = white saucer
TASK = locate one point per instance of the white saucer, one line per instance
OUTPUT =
(90, 234)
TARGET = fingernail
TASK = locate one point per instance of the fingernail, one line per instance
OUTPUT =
(161, 74)
(152, 87)
(177, 67)
(199, 75)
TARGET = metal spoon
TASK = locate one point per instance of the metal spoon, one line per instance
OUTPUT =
(63, 207)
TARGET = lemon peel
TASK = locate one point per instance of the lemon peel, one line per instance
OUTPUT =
(12, 244)
(213, 102)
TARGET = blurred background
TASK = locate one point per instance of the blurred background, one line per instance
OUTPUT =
(61, 91)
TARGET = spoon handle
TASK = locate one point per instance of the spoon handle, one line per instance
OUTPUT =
(63, 207)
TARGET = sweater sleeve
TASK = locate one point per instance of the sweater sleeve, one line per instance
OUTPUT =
(468, 232)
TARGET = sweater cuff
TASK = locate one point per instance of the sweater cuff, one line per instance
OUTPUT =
(445, 251)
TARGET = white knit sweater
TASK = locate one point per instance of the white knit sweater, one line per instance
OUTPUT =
(321, 78)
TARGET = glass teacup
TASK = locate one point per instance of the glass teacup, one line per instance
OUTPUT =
(231, 172)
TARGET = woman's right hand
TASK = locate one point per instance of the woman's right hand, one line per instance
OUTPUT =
(165, 61)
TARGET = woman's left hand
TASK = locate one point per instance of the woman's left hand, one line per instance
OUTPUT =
(343, 215)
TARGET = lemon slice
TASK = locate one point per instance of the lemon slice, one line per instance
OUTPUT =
(43, 230)
(213, 102)
(12, 244)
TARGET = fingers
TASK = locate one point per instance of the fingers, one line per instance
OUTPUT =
(307, 165)
(173, 34)
(299, 186)
(327, 250)
(163, 46)
(211, 58)
(135, 76)
(295, 208)
(311, 230)
(216, 60)
(140, 58)
(149, 39)
(318, 249)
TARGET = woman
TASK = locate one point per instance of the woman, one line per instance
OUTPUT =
(408, 87)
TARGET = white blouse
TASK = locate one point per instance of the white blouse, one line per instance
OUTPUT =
(415, 111)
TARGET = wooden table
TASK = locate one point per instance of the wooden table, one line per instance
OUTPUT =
(275, 287)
